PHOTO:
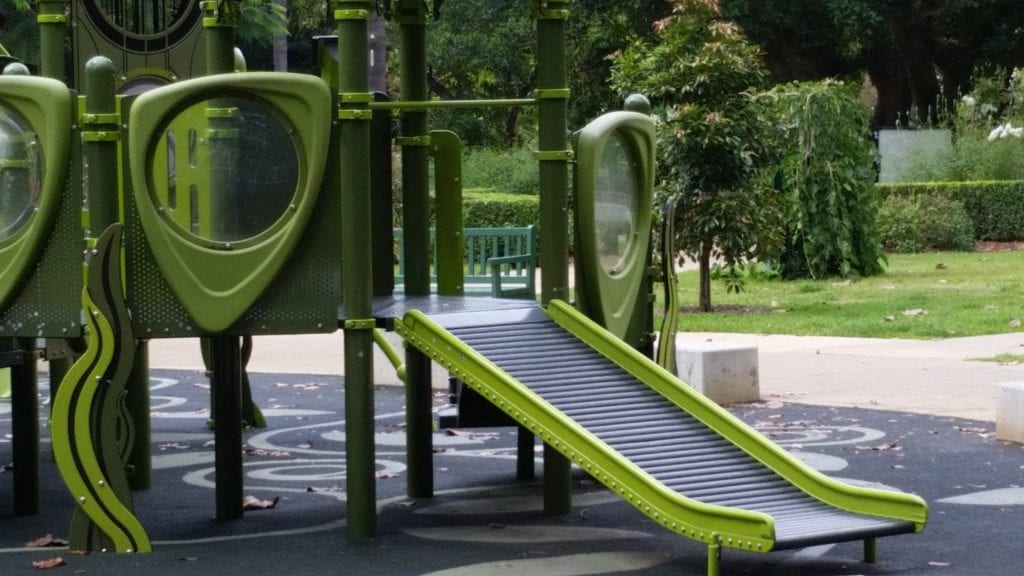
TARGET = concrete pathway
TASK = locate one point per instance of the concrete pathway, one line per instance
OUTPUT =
(936, 377)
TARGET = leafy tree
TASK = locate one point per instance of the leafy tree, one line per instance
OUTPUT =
(716, 133)
(597, 29)
(19, 33)
(483, 49)
(912, 50)
(828, 175)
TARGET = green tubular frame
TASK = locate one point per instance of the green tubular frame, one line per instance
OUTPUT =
(217, 282)
(709, 524)
(47, 106)
(611, 300)
(92, 472)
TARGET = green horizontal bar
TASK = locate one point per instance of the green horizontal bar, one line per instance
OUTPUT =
(101, 136)
(113, 118)
(435, 104)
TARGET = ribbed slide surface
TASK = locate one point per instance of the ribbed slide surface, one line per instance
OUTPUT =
(667, 446)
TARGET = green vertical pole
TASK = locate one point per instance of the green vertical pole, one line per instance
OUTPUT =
(52, 33)
(553, 155)
(25, 429)
(383, 218)
(227, 432)
(354, 162)
(415, 141)
(415, 148)
(219, 19)
(138, 465)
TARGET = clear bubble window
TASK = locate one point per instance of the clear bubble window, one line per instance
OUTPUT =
(21, 168)
(225, 169)
(616, 203)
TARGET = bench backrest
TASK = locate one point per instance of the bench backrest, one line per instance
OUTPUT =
(510, 254)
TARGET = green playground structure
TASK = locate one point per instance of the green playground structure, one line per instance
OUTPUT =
(219, 204)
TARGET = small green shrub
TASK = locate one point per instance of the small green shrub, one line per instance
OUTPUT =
(511, 170)
(923, 223)
(996, 208)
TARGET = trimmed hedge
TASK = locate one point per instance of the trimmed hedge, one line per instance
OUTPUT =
(485, 208)
(995, 207)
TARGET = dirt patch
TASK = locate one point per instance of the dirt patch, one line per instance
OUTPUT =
(1000, 246)
(733, 309)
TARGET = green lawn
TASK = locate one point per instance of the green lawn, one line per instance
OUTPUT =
(935, 295)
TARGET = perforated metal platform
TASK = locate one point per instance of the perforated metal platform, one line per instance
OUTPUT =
(654, 434)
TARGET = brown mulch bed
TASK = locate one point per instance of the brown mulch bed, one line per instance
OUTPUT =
(731, 309)
(1000, 246)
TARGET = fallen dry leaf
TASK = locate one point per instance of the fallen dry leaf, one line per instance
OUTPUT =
(889, 446)
(253, 503)
(262, 452)
(322, 489)
(47, 541)
(48, 564)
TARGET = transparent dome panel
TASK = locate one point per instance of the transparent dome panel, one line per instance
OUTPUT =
(20, 172)
(616, 203)
(225, 169)
(143, 18)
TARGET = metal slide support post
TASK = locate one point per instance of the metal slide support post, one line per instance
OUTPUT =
(52, 33)
(870, 550)
(219, 18)
(25, 428)
(139, 464)
(227, 432)
(415, 141)
(352, 19)
(553, 154)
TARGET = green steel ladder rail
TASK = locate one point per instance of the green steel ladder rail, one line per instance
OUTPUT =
(706, 523)
(86, 386)
(893, 505)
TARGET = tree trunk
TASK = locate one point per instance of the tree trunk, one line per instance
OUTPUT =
(281, 46)
(705, 278)
(378, 54)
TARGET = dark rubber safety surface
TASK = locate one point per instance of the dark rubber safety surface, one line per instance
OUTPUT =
(483, 521)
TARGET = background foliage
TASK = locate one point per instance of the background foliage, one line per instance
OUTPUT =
(828, 175)
(715, 134)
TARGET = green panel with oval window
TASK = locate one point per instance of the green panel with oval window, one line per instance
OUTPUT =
(226, 171)
(35, 144)
(614, 183)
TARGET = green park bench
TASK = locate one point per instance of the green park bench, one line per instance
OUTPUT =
(500, 262)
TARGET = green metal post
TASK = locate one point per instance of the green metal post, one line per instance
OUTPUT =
(415, 141)
(354, 162)
(139, 463)
(25, 429)
(227, 432)
(553, 154)
(52, 33)
(219, 19)
(219, 27)
(382, 216)
(415, 149)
